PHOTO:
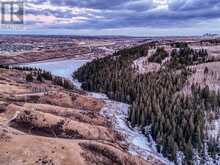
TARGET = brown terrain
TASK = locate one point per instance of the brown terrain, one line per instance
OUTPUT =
(41, 55)
(42, 123)
(25, 49)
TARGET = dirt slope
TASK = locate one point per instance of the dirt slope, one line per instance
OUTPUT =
(55, 126)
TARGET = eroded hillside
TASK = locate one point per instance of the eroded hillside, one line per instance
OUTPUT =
(43, 123)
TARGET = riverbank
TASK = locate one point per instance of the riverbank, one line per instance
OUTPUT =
(55, 60)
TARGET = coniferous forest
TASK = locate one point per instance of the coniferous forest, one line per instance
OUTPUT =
(175, 121)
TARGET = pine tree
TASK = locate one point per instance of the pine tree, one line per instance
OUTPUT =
(39, 78)
(29, 77)
(143, 123)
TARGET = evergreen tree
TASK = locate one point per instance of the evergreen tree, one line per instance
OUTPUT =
(29, 77)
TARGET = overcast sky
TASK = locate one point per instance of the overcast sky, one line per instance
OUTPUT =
(121, 17)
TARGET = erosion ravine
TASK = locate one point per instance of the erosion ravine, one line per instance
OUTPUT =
(117, 112)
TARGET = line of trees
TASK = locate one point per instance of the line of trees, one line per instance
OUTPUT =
(187, 56)
(40, 75)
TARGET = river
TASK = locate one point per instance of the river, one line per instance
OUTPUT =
(138, 143)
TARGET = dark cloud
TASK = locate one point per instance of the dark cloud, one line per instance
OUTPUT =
(94, 4)
(133, 13)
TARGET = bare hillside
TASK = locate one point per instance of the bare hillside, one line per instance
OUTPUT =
(42, 123)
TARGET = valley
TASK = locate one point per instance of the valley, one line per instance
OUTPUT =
(125, 101)
(165, 98)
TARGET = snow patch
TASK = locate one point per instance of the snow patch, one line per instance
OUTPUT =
(207, 159)
(97, 95)
(180, 157)
(138, 143)
(214, 130)
(143, 66)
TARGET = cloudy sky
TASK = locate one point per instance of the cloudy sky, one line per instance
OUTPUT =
(121, 17)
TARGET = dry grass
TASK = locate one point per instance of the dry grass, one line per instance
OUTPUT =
(45, 124)
(95, 153)
(62, 118)
(211, 79)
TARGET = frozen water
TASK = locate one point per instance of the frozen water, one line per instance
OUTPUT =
(63, 68)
